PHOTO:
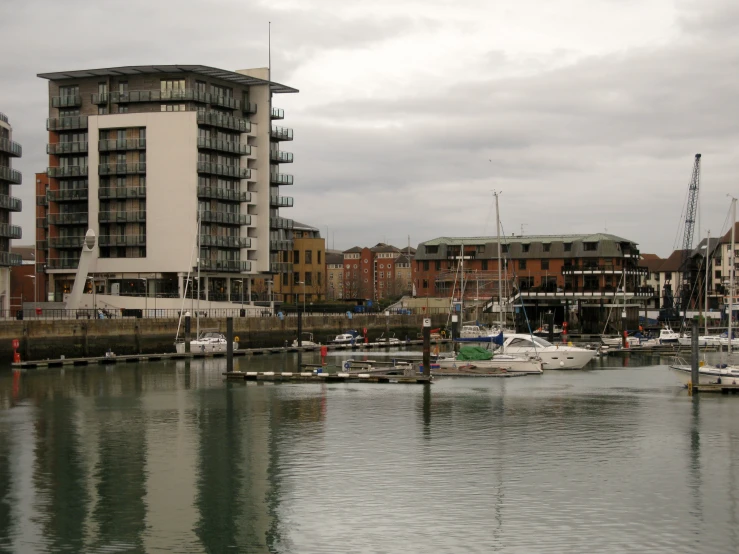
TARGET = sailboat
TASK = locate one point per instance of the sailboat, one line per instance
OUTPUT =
(206, 340)
(724, 373)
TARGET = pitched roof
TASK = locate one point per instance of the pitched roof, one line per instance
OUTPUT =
(297, 226)
(334, 258)
(523, 239)
(353, 250)
(674, 261)
(726, 239)
(382, 247)
(652, 262)
(402, 259)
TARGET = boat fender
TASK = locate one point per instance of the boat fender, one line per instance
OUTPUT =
(347, 365)
(236, 338)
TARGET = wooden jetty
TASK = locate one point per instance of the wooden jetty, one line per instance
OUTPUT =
(310, 376)
(140, 358)
(722, 388)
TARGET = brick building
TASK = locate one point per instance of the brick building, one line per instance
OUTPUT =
(370, 273)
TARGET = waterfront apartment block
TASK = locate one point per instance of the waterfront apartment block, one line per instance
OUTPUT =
(334, 275)
(305, 277)
(577, 266)
(139, 155)
(370, 273)
(8, 205)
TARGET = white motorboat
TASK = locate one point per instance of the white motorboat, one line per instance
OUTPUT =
(346, 338)
(707, 374)
(686, 340)
(388, 340)
(553, 356)
(631, 341)
(668, 336)
(208, 341)
(306, 341)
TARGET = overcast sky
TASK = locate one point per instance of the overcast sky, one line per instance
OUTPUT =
(587, 114)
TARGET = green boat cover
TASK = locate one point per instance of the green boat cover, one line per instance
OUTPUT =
(473, 353)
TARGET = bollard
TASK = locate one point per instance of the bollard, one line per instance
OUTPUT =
(187, 332)
(229, 344)
(324, 353)
(694, 372)
(426, 347)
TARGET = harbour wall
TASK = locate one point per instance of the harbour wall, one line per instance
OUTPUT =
(41, 339)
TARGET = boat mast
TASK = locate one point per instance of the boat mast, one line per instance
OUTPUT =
(731, 270)
(461, 282)
(197, 315)
(708, 263)
(500, 279)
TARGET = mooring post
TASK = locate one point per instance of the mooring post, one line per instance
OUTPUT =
(300, 327)
(694, 373)
(187, 332)
(455, 331)
(624, 342)
(427, 347)
(229, 344)
(387, 324)
(551, 326)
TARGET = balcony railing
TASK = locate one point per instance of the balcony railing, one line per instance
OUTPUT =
(10, 231)
(223, 194)
(10, 203)
(100, 98)
(224, 146)
(66, 242)
(121, 240)
(281, 201)
(216, 119)
(122, 216)
(280, 179)
(67, 195)
(282, 133)
(226, 217)
(226, 170)
(67, 171)
(280, 223)
(250, 107)
(281, 267)
(10, 258)
(68, 101)
(79, 218)
(41, 200)
(122, 169)
(225, 242)
(605, 270)
(278, 113)
(42, 223)
(11, 175)
(107, 145)
(62, 263)
(281, 245)
(225, 102)
(225, 265)
(281, 157)
(67, 147)
(65, 123)
(121, 192)
(11, 148)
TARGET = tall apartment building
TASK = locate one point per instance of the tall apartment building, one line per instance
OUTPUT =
(136, 153)
(307, 278)
(8, 204)
(370, 273)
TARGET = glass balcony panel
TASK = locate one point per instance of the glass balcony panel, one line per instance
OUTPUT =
(10, 231)
(281, 157)
(226, 217)
(66, 242)
(70, 101)
(67, 195)
(121, 240)
(10, 203)
(282, 133)
(62, 263)
(216, 119)
(224, 146)
(223, 194)
(281, 179)
(11, 148)
(78, 218)
(121, 169)
(225, 242)
(10, 258)
(10, 175)
(225, 265)
(278, 113)
(64, 123)
(122, 216)
(67, 148)
(107, 145)
(122, 192)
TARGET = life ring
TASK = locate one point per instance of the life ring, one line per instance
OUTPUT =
(236, 338)
(347, 365)
(443, 334)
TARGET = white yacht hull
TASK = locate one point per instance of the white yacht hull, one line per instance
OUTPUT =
(708, 375)
(197, 346)
(511, 364)
(566, 358)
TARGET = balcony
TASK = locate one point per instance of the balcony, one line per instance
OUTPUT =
(601, 270)
(225, 265)
(108, 145)
(67, 171)
(11, 148)
(250, 107)
(67, 195)
(280, 267)
(11, 175)
(100, 98)
(41, 244)
(10, 203)
(225, 242)
(78, 218)
(66, 123)
(69, 101)
(62, 243)
(121, 240)
(122, 169)
(280, 179)
(280, 157)
(225, 102)
(224, 194)
(225, 170)
(282, 133)
(62, 263)
(42, 223)
(216, 119)
(278, 113)
(105, 193)
(135, 96)
(281, 201)
(226, 217)
(57, 148)
(281, 245)
(10, 258)
(10, 231)
(224, 146)
(42, 200)
(136, 216)
(280, 223)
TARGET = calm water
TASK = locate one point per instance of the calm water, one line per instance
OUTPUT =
(166, 457)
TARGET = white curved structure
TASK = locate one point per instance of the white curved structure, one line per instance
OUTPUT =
(553, 356)
(206, 342)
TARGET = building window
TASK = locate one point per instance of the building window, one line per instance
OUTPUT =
(309, 256)
(173, 107)
(426, 265)
(547, 247)
(505, 249)
(122, 108)
(318, 278)
(425, 284)
(437, 265)
(355, 266)
(285, 278)
(296, 256)
(718, 276)
(590, 246)
(568, 247)
(389, 275)
(484, 265)
(172, 84)
(381, 266)
(545, 264)
(525, 247)
(382, 274)
(521, 264)
(102, 110)
(296, 278)
(308, 279)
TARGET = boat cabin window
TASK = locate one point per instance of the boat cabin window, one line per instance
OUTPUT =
(541, 342)
(522, 343)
